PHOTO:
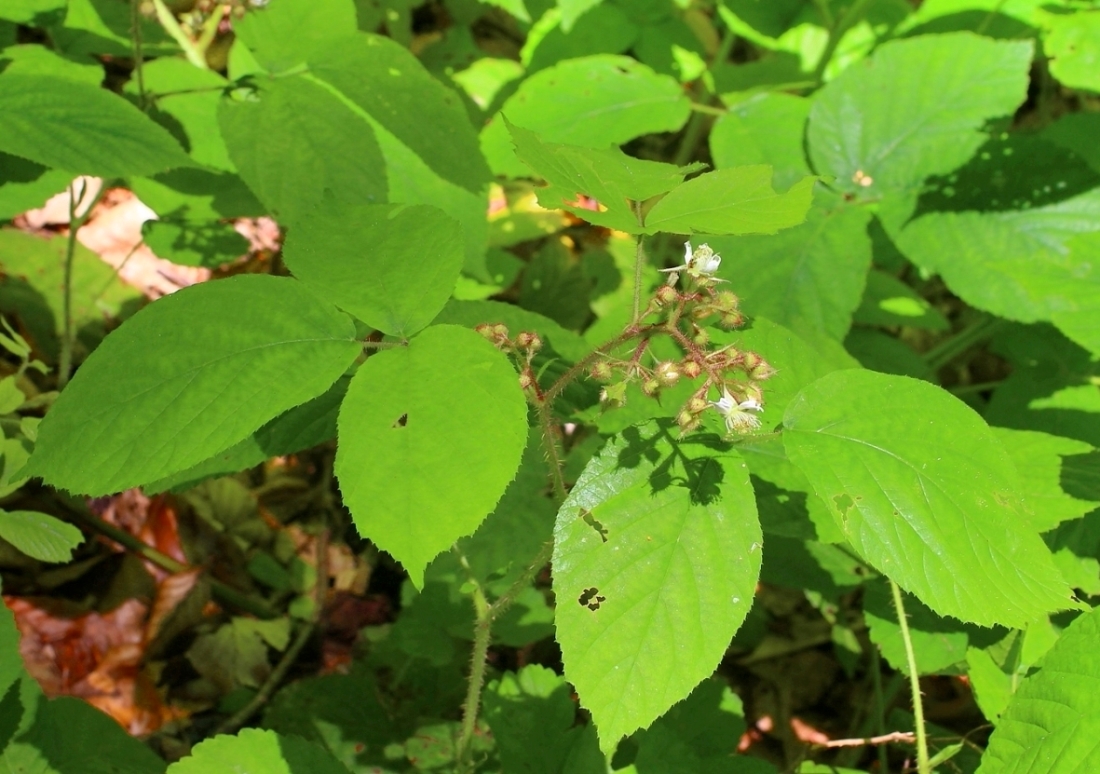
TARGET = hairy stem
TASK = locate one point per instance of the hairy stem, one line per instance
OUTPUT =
(923, 765)
(483, 631)
(139, 58)
(639, 266)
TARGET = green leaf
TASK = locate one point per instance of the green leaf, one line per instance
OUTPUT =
(288, 32)
(39, 535)
(1039, 459)
(32, 59)
(889, 301)
(608, 176)
(1027, 265)
(419, 468)
(1072, 42)
(81, 128)
(606, 29)
(27, 185)
(612, 99)
(1075, 132)
(389, 85)
(182, 381)
(767, 129)
(1051, 724)
(656, 557)
(257, 752)
(24, 11)
(11, 662)
(880, 351)
(69, 736)
(210, 244)
(731, 201)
(925, 493)
(293, 140)
(809, 278)
(236, 654)
(534, 703)
(913, 109)
(392, 266)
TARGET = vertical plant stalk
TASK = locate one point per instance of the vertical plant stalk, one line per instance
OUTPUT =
(483, 632)
(639, 266)
(139, 57)
(837, 31)
(923, 765)
(65, 360)
(173, 28)
(880, 706)
(953, 346)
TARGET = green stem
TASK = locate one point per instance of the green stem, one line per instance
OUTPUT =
(223, 593)
(880, 707)
(709, 110)
(971, 389)
(210, 29)
(950, 348)
(563, 381)
(139, 59)
(923, 765)
(273, 681)
(65, 360)
(837, 31)
(483, 631)
(173, 28)
(639, 265)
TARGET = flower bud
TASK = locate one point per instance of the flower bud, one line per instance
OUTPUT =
(701, 337)
(690, 368)
(696, 405)
(727, 301)
(529, 341)
(667, 373)
(666, 294)
(761, 371)
(732, 320)
(700, 311)
(750, 360)
(526, 380)
(600, 371)
(651, 387)
(687, 422)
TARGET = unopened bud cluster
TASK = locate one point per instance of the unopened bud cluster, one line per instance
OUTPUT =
(522, 348)
(684, 311)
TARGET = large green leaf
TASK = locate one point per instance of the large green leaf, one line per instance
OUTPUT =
(189, 376)
(740, 200)
(810, 277)
(40, 535)
(392, 266)
(1072, 42)
(387, 83)
(81, 128)
(593, 102)
(286, 33)
(913, 109)
(767, 129)
(1052, 723)
(1026, 265)
(656, 558)
(925, 493)
(1041, 461)
(430, 435)
(610, 177)
(258, 752)
(292, 140)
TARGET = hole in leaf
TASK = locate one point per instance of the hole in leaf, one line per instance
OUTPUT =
(591, 598)
(843, 504)
(401, 421)
(594, 523)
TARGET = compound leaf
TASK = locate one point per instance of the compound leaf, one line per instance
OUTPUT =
(429, 437)
(925, 493)
(656, 558)
(187, 377)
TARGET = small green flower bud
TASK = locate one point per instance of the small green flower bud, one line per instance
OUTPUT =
(732, 320)
(526, 380)
(761, 371)
(700, 311)
(727, 301)
(690, 368)
(696, 405)
(651, 387)
(750, 360)
(529, 341)
(701, 337)
(600, 371)
(687, 422)
(668, 373)
(666, 294)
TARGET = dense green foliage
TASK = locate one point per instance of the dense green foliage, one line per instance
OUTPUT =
(876, 383)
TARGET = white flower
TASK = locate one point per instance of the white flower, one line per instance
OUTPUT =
(702, 261)
(737, 415)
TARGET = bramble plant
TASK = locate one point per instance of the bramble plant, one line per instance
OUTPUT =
(624, 347)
